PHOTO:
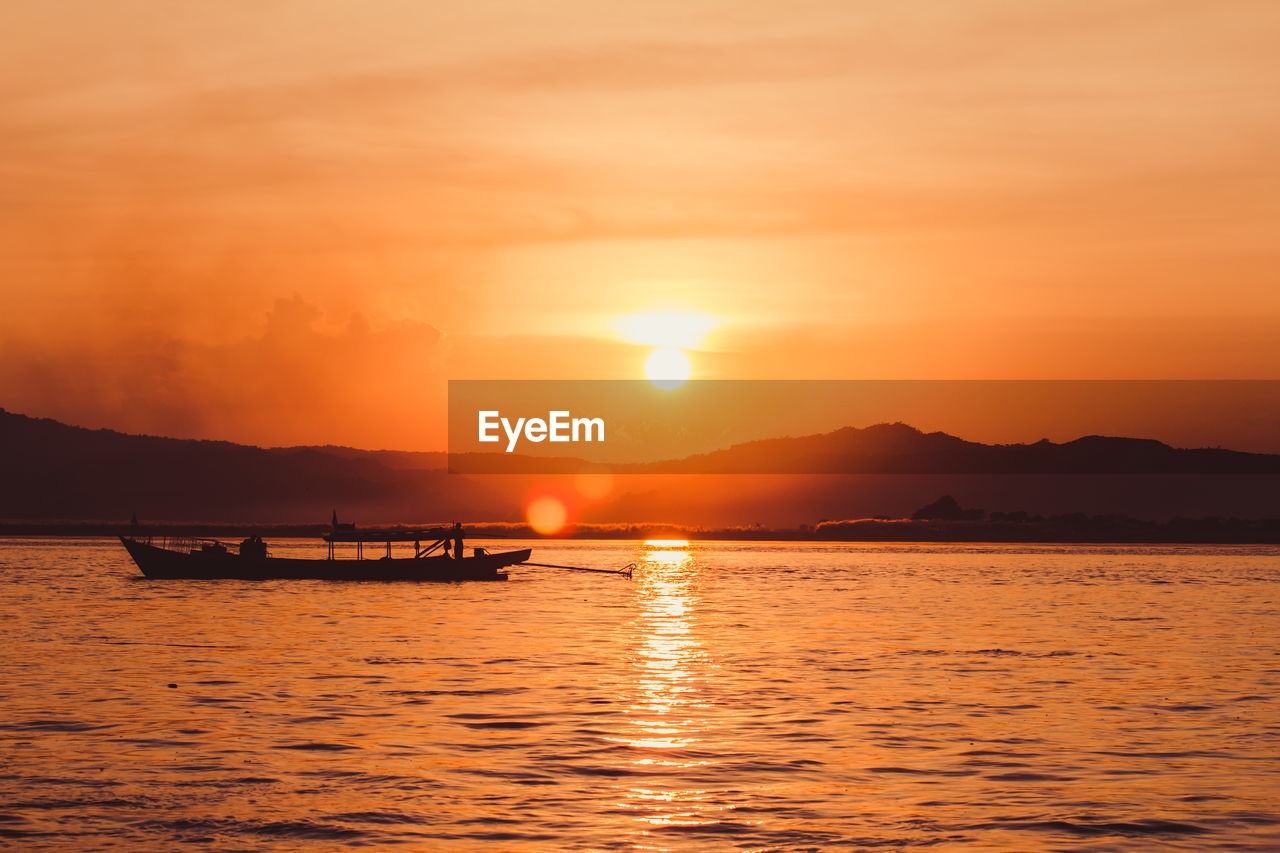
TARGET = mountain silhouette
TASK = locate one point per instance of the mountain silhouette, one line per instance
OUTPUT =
(49, 470)
(54, 471)
(897, 448)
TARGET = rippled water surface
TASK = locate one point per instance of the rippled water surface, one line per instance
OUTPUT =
(729, 696)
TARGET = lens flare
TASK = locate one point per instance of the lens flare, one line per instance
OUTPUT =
(546, 515)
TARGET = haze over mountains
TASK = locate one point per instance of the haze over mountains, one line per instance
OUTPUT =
(49, 470)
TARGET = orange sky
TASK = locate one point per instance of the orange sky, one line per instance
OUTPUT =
(292, 222)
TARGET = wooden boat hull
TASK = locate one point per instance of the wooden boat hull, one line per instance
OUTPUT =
(162, 563)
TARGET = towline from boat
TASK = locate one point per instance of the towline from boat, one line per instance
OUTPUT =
(162, 558)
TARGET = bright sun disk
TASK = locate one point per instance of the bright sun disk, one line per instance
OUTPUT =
(667, 367)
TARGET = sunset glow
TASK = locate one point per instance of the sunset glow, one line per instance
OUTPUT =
(672, 329)
(536, 191)
(666, 426)
(593, 486)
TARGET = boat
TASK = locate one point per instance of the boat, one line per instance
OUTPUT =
(207, 559)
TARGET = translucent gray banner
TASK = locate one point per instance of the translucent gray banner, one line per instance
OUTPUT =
(864, 427)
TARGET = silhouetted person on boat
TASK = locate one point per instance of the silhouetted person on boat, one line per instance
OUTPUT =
(253, 547)
(457, 540)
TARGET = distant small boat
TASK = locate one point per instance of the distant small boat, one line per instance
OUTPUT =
(207, 559)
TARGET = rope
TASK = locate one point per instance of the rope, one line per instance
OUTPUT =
(625, 570)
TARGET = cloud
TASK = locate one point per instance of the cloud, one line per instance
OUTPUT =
(459, 174)
(292, 382)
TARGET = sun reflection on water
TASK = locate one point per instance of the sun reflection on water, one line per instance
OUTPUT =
(669, 711)
(677, 545)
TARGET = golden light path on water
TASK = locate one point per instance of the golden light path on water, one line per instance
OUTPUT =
(669, 715)
(746, 696)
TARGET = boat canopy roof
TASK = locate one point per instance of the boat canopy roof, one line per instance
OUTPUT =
(428, 534)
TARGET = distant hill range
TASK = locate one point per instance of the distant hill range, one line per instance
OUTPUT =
(54, 471)
(49, 470)
(901, 449)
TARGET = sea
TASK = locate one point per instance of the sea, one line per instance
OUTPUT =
(725, 696)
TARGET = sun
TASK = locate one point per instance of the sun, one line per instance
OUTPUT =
(667, 367)
(672, 334)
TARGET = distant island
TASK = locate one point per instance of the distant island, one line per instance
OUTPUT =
(1015, 527)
